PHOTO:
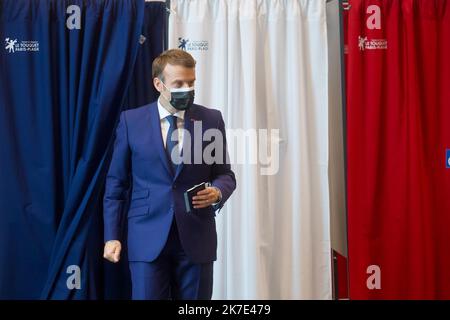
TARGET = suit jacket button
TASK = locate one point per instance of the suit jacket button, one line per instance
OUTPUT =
(174, 186)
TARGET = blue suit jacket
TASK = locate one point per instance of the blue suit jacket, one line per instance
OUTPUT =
(139, 161)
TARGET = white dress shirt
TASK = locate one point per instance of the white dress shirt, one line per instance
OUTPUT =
(163, 113)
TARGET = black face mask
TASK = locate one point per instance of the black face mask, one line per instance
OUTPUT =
(182, 98)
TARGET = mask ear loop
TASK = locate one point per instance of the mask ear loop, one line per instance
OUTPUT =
(170, 97)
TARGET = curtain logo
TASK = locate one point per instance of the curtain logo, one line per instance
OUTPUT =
(447, 159)
(371, 44)
(195, 45)
(13, 45)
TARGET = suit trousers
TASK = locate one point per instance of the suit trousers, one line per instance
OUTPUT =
(171, 276)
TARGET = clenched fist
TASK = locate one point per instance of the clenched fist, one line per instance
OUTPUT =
(112, 251)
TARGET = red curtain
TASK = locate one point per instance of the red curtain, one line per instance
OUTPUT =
(398, 136)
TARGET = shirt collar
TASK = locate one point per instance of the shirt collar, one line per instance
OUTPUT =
(163, 113)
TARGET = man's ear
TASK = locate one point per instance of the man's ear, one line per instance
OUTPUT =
(157, 84)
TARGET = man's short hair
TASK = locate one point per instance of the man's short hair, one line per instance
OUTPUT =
(175, 57)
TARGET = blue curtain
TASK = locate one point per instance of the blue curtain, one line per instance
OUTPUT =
(65, 68)
(152, 43)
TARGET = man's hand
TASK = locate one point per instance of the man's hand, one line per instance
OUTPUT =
(112, 251)
(206, 197)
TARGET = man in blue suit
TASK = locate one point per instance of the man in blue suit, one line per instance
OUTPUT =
(170, 250)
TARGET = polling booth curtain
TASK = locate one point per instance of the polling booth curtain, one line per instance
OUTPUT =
(398, 111)
(65, 66)
(141, 90)
(263, 64)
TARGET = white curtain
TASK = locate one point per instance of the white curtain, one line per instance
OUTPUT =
(264, 64)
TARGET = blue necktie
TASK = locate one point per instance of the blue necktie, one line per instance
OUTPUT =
(171, 144)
